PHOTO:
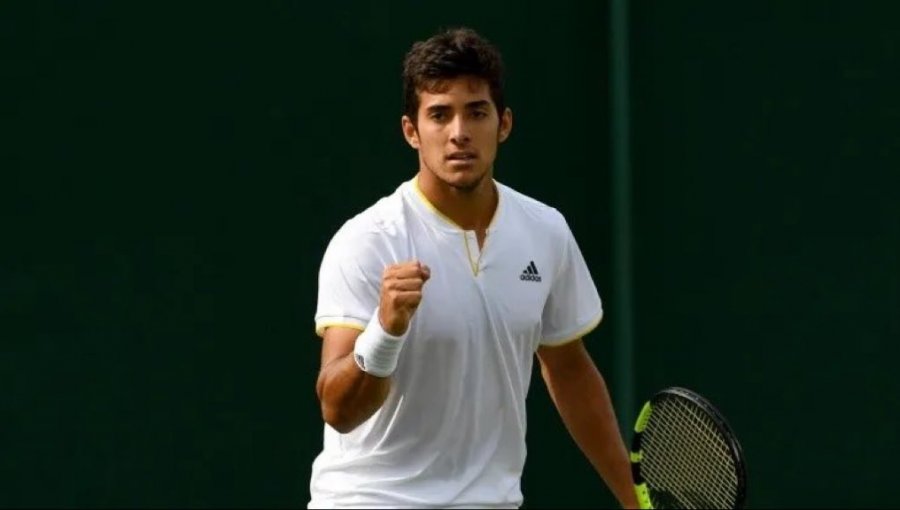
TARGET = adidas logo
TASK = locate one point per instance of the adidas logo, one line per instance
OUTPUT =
(530, 274)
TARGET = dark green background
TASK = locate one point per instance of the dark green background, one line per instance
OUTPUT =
(172, 173)
(767, 233)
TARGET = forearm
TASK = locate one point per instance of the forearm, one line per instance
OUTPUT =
(583, 401)
(348, 395)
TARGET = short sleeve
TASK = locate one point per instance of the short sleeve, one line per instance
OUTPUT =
(349, 281)
(573, 308)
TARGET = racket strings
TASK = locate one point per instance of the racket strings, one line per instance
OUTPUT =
(687, 458)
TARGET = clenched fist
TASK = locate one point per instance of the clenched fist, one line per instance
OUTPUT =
(401, 293)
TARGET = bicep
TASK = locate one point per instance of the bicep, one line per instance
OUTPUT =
(557, 355)
(564, 360)
(337, 342)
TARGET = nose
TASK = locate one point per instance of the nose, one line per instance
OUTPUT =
(459, 131)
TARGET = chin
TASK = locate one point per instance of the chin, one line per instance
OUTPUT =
(467, 183)
(464, 180)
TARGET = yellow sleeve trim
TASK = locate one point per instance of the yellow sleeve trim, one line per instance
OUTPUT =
(581, 334)
(320, 328)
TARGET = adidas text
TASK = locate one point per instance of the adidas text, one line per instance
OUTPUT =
(530, 274)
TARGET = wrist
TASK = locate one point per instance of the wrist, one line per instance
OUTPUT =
(387, 326)
(376, 351)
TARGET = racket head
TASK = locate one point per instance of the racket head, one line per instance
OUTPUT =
(684, 454)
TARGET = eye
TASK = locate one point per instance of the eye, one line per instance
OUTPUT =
(437, 115)
(479, 114)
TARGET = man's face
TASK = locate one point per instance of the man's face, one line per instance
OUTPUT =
(458, 131)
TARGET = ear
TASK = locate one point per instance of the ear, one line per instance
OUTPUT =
(506, 122)
(410, 132)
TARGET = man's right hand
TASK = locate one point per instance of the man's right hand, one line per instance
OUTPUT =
(401, 293)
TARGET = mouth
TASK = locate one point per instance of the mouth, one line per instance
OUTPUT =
(461, 156)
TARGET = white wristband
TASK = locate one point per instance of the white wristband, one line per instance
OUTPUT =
(376, 351)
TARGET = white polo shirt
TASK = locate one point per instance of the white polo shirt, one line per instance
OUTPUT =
(452, 430)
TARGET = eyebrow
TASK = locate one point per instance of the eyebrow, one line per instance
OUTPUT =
(483, 103)
(478, 104)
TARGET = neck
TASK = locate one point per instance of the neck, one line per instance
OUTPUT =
(471, 209)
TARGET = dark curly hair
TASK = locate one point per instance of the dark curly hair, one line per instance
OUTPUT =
(446, 55)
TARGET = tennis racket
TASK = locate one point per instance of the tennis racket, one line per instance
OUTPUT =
(684, 454)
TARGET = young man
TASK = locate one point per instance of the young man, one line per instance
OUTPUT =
(432, 304)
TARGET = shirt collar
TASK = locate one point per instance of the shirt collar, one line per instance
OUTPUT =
(440, 220)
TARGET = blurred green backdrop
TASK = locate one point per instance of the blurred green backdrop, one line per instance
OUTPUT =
(172, 173)
(766, 150)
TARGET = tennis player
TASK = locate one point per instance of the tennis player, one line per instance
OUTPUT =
(432, 304)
